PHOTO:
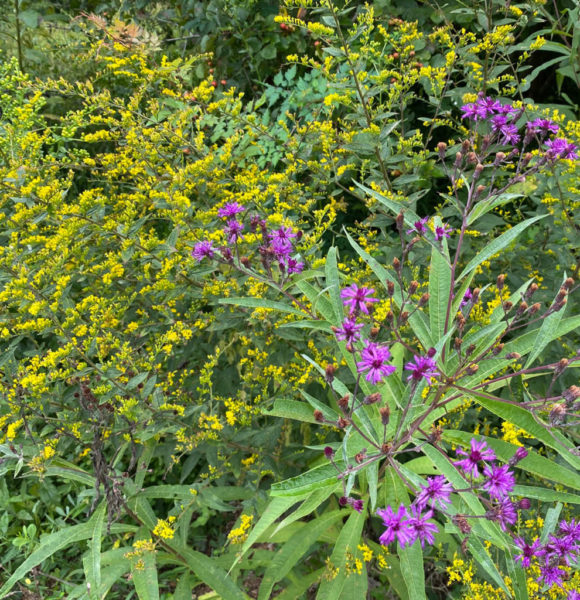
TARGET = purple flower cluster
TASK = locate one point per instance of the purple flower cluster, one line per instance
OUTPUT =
(561, 550)
(420, 228)
(276, 245)
(409, 525)
(502, 120)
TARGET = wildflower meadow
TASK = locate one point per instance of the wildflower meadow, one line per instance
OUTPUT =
(289, 300)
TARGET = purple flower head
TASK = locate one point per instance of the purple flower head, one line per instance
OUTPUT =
(503, 513)
(551, 575)
(231, 209)
(349, 331)
(374, 360)
(203, 250)
(419, 227)
(357, 298)
(281, 248)
(489, 105)
(497, 122)
(572, 595)
(283, 234)
(562, 550)
(292, 266)
(473, 111)
(233, 230)
(536, 550)
(519, 455)
(500, 481)
(443, 231)
(478, 452)
(571, 529)
(509, 134)
(467, 298)
(396, 527)
(507, 109)
(328, 452)
(420, 528)
(542, 126)
(561, 148)
(437, 491)
(357, 505)
(422, 367)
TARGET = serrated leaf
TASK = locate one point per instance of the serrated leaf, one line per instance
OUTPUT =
(293, 550)
(439, 290)
(94, 563)
(261, 303)
(347, 541)
(498, 244)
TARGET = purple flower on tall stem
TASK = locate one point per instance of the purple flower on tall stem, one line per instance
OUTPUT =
(357, 505)
(478, 452)
(489, 105)
(420, 528)
(349, 331)
(467, 298)
(503, 513)
(510, 134)
(536, 550)
(497, 122)
(473, 111)
(563, 550)
(203, 250)
(437, 491)
(561, 148)
(419, 227)
(374, 360)
(282, 248)
(357, 298)
(231, 209)
(543, 126)
(443, 231)
(551, 575)
(500, 480)
(422, 367)
(233, 230)
(572, 595)
(396, 527)
(292, 266)
(570, 529)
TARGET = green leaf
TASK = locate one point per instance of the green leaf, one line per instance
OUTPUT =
(518, 577)
(325, 475)
(308, 324)
(498, 244)
(275, 508)
(550, 522)
(307, 507)
(261, 303)
(144, 577)
(293, 550)
(49, 545)
(347, 541)
(94, 563)
(301, 585)
(439, 289)
(481, 556)
(481, 208)
(333, 285)
(318, 299)
(291, 409)
(545, 494)
(545, 335)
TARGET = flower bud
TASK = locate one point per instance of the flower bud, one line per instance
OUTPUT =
(441, 147)
(470, 350)
(473, 368)
(360, 456)
(245, 261)
(413, 286)
(385, 413)
(472, 158)
(497, 349)
(534, 308)
(390, 317)
(374, 332)
(328, 452)
(479, 189)
(477, 171)
(396, 264)
(342, 423)
(373, 398)
(500, 281)
(568, 283)
(499, 157)
(571, 394)
(562, 364)
(390, 288)
(522, 307)
(513, 356)
(465, 145)
(508, 306)
(431, 352)
(400, 220)
(458, 159)
(524, 504)
(520, 454)
(533, 289)
(403, 316)
(343, 403)
(475, 296)
(329, 372)
(318, 416)
(462, 523)
(557, 414)
(457, 343)
(343, 501)
(563, 292)
(560, 305)
(424, 299)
